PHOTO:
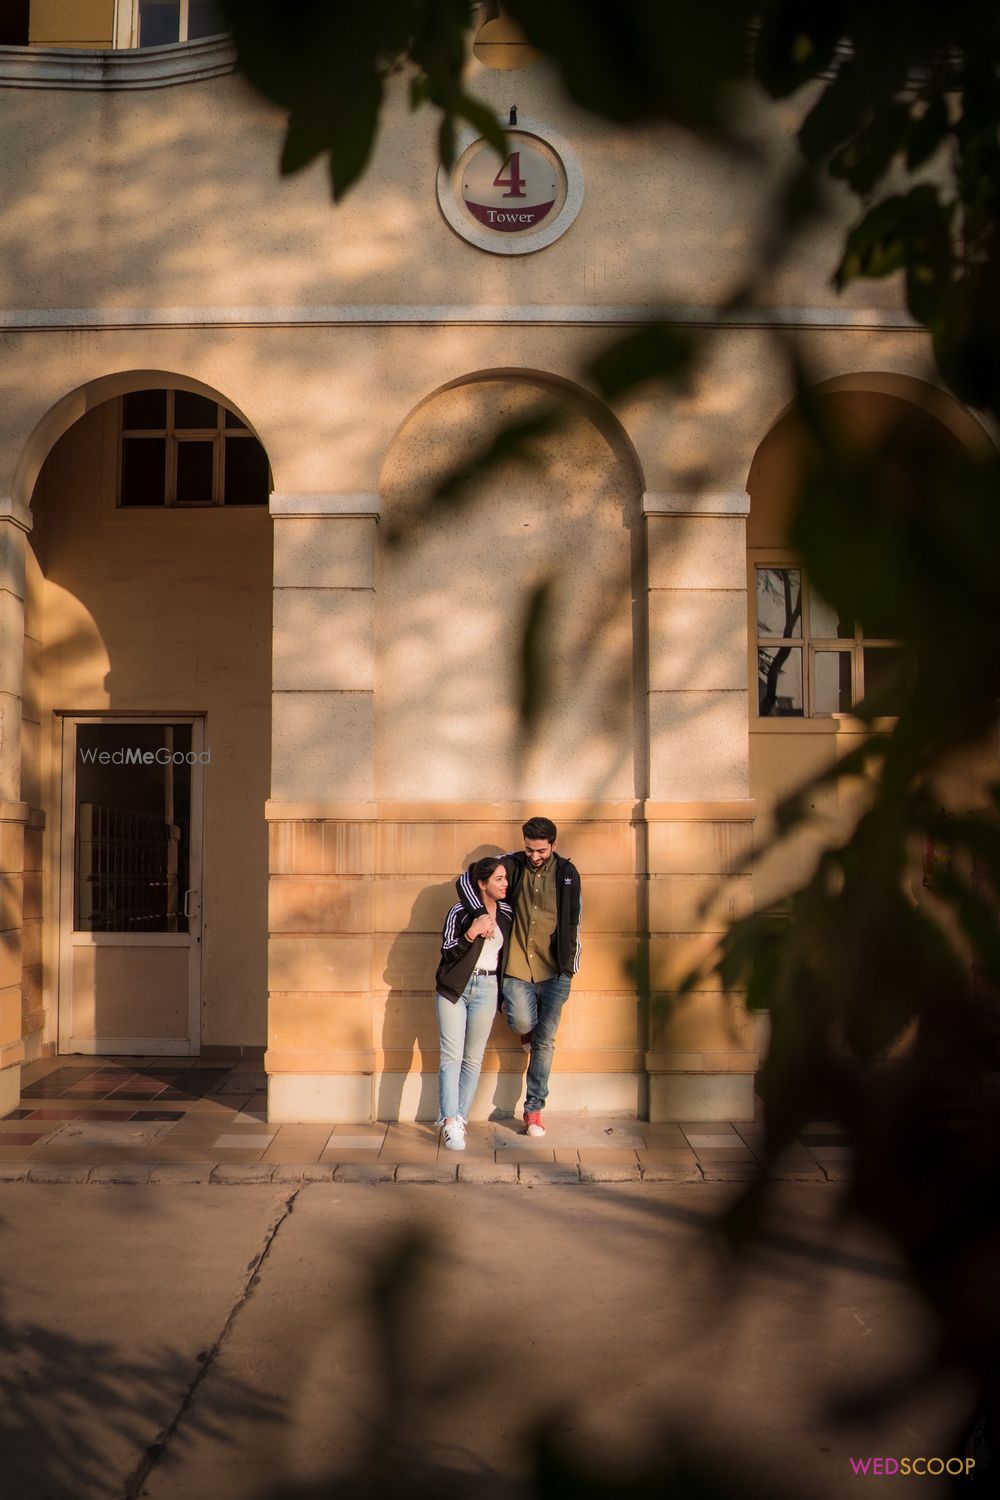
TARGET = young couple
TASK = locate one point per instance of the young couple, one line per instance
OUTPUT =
(512, 936)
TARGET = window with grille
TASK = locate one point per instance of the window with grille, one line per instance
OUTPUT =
(181, 449)
(810, 661)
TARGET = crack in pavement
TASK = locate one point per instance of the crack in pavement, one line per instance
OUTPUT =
(156, 1449)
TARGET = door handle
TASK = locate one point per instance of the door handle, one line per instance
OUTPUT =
(187, 901)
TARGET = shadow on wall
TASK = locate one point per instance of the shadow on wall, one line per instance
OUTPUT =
(409, 1028)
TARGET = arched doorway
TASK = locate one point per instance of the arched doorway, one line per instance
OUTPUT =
(146, 720)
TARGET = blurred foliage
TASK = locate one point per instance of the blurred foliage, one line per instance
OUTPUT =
(327, 62)
(882, 984)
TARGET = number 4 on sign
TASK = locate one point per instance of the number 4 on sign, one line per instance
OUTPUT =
(515, 182)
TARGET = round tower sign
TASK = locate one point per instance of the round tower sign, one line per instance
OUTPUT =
(514, 203)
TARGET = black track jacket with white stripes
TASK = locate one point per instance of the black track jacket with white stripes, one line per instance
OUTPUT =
(569, 904)
(458, 956)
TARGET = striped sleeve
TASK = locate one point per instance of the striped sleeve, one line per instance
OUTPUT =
(469, 892)
(451, 933)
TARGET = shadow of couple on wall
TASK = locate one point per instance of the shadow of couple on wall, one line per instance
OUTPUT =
(408, 1086)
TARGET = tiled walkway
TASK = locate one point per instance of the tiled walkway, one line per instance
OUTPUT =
(159, 1114)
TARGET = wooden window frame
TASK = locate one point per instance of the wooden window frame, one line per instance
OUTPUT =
(172, 435)
(809, 645)
(126, 26)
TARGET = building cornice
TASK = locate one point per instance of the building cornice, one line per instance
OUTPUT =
(133, 68)
(62, 319)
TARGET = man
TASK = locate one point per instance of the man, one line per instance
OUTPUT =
(544, 890)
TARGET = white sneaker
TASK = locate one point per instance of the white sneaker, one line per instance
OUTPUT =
(454, 1135)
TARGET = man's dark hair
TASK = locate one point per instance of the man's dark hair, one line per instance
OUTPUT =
(540, 828)
(484, 868)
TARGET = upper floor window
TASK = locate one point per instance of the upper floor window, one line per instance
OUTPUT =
(178, 448)
(810, 662)
(15, 23)
(156, 23)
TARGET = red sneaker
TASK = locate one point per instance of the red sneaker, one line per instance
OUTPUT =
(533, 1122)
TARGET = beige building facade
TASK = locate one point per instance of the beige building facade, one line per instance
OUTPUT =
(225, 407)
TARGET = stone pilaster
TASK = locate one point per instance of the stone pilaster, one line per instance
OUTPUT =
(700, 1059)
(319, 1057)
(15, 523)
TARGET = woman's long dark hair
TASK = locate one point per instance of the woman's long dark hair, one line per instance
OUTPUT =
(483, 868)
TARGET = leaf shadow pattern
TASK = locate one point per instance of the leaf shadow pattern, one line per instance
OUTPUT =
(392, 1463)
(96, 1398)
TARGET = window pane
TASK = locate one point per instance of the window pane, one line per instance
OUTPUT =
(205, 18)
(885, 669)
(232, 420)
(779, 601)
(144, 468)
(133, 818)
(145, 409)
(779, 682)
(832, 682)
(194, 472)
(194, 411)
(159, 22)
(14, 23)
(825, 622)
(246, 472)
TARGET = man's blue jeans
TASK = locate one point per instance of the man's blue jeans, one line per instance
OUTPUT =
(536, 1008)
(463, 1030)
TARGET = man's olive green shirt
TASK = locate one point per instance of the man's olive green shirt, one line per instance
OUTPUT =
(535, 918)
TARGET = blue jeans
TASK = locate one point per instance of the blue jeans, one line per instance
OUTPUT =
(536, 1008)
(463, 1029)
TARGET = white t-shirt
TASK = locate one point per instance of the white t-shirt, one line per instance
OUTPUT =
(489, 954)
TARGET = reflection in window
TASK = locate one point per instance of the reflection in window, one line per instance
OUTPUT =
(832, 673)
(162, 22)
(779, 682)
(825, 620)
(779, 601)
(811, 659)
(182, 448)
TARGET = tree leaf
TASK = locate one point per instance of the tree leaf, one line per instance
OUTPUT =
(865, 159)
(796, 43)
(927, 132)
(658, 352)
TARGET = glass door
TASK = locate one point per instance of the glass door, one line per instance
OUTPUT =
(130, 885)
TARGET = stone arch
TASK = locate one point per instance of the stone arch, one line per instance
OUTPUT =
(85, 398)
(870, 402)
(505, 539)
(931, 399)
(601, 415)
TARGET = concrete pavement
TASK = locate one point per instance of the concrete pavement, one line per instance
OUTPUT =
(190, 1341)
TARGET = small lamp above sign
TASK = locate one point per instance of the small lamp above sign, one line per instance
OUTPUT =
(516, 204)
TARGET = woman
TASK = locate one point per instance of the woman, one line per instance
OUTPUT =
(474, 951)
